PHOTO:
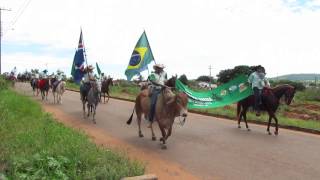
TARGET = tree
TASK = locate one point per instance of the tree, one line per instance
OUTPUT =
(205, 79)
(183, 78)
(228, 74)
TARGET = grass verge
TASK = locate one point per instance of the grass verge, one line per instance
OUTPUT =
(34, 146)
(130, 93)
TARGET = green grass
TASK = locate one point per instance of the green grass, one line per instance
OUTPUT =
(230, 112)
(73, 86)
(128, 91)
(34, 146)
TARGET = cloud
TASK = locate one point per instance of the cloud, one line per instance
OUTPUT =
(185, 35)
(302, 5)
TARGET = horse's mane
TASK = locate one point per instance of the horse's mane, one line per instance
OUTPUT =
(280, 86)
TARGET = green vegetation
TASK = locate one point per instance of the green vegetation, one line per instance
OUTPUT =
(230, 112)
(311, 96)
(34, 146)
(73, 86)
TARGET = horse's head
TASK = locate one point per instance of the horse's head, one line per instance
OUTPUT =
(179, 101)
(289, 94)
(110, 81)
(171, 82)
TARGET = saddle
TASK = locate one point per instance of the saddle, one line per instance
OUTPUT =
(266, 91)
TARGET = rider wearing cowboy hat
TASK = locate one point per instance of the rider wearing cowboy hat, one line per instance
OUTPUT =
(258, 81)
(157, 80)
(87, 79)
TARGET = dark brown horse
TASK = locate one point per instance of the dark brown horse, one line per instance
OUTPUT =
(105, 88)
(270, 103)
(35, 88)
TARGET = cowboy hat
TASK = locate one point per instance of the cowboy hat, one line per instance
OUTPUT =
(90, 67)
(161, 66)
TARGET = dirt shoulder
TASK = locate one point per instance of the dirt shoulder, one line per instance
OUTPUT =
(154, 164)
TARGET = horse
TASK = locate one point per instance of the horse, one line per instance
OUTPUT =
(35, 88)
(270, 103)
(44, 86)
(168, 107)
(89, 97)
(105, 88)
(58, 92)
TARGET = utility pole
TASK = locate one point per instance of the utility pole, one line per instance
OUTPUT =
(1, 9)
(210, 71)
(210, 76)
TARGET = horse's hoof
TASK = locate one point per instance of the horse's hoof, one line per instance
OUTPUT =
(161, 139)
(276, 133)
(154, 138)
(248, 129)
(141, 135)
(164, 147)
(239, 127)
(269, 133)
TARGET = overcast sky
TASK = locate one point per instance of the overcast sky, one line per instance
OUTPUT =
(185, 35)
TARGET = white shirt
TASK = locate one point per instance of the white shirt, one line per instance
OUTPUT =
(88, 76)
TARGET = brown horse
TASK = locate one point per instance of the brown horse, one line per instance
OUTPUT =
(270, 103)
(168, 107)
(105, 88)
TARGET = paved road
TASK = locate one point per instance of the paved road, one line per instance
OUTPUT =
(211, 147)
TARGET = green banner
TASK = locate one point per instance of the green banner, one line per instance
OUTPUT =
(228, 93)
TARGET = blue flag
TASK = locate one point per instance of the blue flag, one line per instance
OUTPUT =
(77, 70)
(140, 58)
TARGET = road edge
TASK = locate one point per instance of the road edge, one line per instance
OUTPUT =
(294, 128)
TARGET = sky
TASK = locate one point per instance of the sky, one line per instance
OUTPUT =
(187, 36)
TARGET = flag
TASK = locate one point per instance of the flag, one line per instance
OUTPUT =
(140, 58)
(77, 70)
(98, 69)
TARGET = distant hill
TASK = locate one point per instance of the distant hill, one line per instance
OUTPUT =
(298, 77)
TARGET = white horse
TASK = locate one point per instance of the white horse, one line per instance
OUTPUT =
(57, 94)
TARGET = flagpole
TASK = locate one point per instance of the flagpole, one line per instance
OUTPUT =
(149, 46)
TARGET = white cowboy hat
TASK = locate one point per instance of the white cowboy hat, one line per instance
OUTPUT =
(90, 67)
(161, 66)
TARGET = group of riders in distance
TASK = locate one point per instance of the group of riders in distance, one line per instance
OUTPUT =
(158, 101)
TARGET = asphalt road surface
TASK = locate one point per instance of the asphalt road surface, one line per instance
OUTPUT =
(209, 147)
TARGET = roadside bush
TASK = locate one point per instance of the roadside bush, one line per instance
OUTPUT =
(3, 83)
(310, 94)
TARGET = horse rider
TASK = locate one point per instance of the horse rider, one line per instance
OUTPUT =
(157, 80)
(258, 81)
(88, 78)
(13, 73)
(58, 78)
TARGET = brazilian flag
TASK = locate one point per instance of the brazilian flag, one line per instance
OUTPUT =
(140, 58)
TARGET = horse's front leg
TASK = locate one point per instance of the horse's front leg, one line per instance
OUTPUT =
(94, 113)
(269, 123)
(152, 132)
(88, 107)
(245, 118)
(108, 96)
(276, 132)
(163, 132)
(84, 109)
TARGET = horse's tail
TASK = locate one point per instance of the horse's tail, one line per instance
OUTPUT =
(130, 119)
(238, 109)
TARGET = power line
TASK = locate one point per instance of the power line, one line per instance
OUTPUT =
(1, 9)
(20, 11)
